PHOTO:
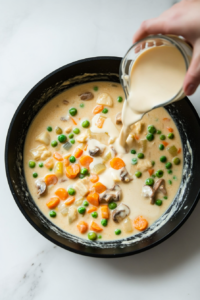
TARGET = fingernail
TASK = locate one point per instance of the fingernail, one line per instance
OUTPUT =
(190, 89)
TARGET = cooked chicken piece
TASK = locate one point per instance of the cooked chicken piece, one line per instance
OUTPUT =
(68, 129)
(72, 214)
(38, 152)
(118, 118)
(105, 99)
(143, 165)
(43, 138)
(82, 186)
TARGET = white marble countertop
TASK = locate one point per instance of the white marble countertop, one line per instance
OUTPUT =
(37, 37)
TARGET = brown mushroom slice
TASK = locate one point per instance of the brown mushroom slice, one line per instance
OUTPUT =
(86, 96)
(41, 187)
(125, 176)
(118, 118)
(159, 186)
(113, 194)
(95, 152)
(120, 213)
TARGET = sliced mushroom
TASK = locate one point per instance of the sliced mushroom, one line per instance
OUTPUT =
(86, 96)
(159, 186)
(147, 191)
(41, 186)
(95, 152)
(125, 176)
(120, 213)
(66, 102)
(113, 151)
(118, 118)
(113, 194)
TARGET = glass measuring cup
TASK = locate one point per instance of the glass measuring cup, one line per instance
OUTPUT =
(144, 44)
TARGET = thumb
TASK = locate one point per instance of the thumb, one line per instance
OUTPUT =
(192, 78)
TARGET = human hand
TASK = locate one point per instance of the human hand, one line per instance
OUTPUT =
(182, 19)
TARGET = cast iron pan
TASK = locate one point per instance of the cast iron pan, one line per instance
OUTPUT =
(101, 69)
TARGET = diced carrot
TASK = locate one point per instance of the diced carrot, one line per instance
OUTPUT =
(61, 193)
(99, 123)
(49, 163)
(85, 148)
(57, 156)
(137, 137)
(105, 212)
(74, 122)
(99, 187)
(151, 171)
(170, 129)
(93, 198)
(69, 201)
(179, 150)
(165, 143)
(72, 171)
(86, 160)
(91, 209)
(78, 152)
(95, 227)
(67, 156)
(50, 179)
(140, 223)
(66, 162)
(97, 109)
(54, 201)
(117, 163)
(94, 178)
(82, 227)
(166, 119)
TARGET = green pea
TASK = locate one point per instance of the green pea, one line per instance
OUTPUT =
(50, 169)
(35, 175)
(72, 141)
(163, 159)
(105, 111)
(134, 161)
(95, 88)
(82, 105)
(104, 222)
(49, 128)
(161, 147)
(168, 165)
(71, 191)
(72, 159)
(133, 151)
(118, 231)
(85, 124)
(174, 177)
(94, 214)
(81, 176)
(85, 203)
(158, 202)
(159, 173)
(62, 138)
(31, 164)
(170, 136)
(52, 214)
(73, 111)
(140, 155)
(165, 197)
(169, 171)
(149, 137)
(119, 99)
(153, 175)
(81, 210)
(138, 174)
(162, 137)
(54, 143)
(151, 129)
(153, 163)
(176, 160)
(76, 130)
(71, 135)
(112, 205)
(84, 171)
(170, 182)
(99, 236)
(92, 236)
(58, 130)
(158, 132)
(41, 164)
(149, 181)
